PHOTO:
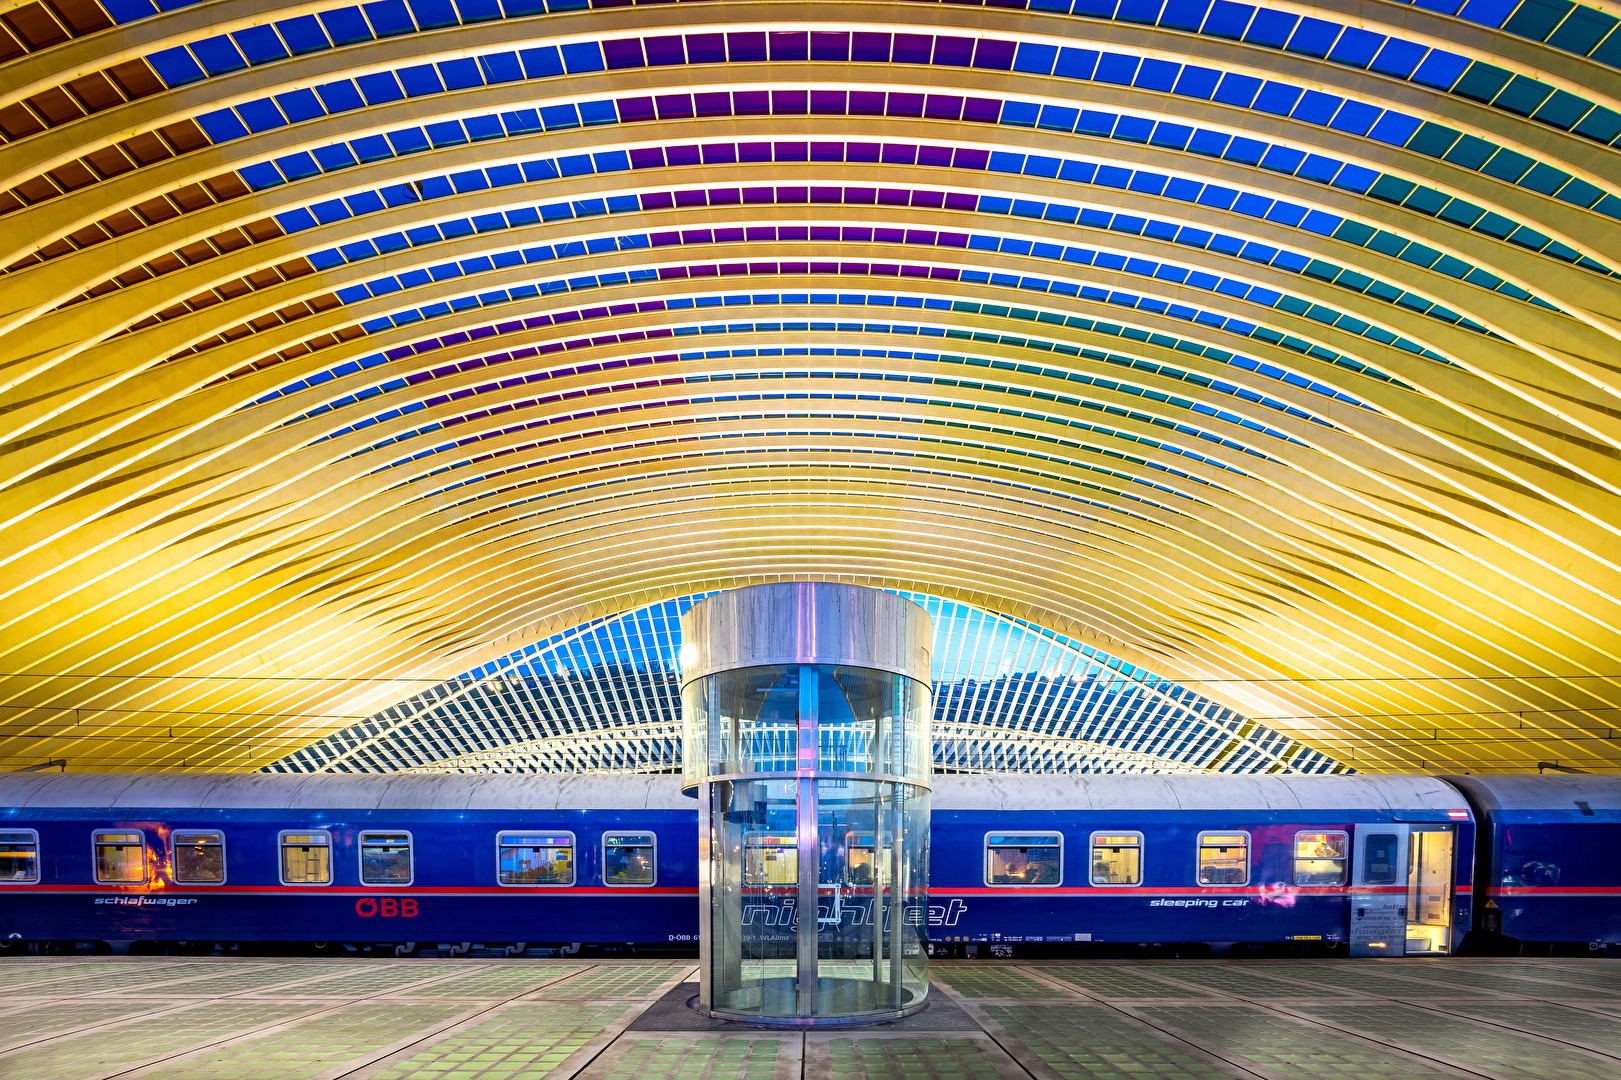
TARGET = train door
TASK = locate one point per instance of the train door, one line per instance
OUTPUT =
(1401, 890)
(1429, 889)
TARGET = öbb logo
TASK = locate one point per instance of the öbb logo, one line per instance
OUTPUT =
(388, 907)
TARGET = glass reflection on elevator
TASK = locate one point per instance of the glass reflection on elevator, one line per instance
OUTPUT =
(863, 950)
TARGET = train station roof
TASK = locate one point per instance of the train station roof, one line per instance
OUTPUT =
(1274, 350)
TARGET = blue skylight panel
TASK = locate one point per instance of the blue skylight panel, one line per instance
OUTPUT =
(260, 44)
(127, 11)
(222, 126)
(261, 175)
(261, 115)
(582, 57)
(340, 96)
(218, 55)
(431, 14)
(303, 34)
(1035, 59)
(300, 105)
(1271, 28)
(176, 66)
(389, 17)
(1228, 20)
(474, 11)
(1076, 63)
(501, 67)
(1398, 58)
(337, 156)
(1237, 89)
(420, 80)
(1440, 69)
(1314, 37)
(459, 74)
(1355, 47)
(380, 87)
(1117, 68)
(1184, 14)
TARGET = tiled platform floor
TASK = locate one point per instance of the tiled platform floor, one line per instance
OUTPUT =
(76, 1018)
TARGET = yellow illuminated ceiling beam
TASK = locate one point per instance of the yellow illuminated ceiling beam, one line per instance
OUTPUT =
(1423, 582)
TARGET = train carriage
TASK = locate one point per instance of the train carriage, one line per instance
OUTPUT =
(1379, 863)
(266, 858)
(1372, 865)
(1549, 858)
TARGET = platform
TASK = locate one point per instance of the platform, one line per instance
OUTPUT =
(178, 1018)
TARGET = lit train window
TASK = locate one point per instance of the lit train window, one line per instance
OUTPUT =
(535, 858)
(199, 857)
(306, 858)
(859, 860)
(1224, 858)
(770, 860)
(1024, 858)
(629, 859)
(120, 857)
(385, 858)
(19, 855)
(1320, 858)
(1117, 858)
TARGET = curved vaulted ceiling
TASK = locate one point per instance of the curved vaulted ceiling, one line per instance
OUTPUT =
(345, 348)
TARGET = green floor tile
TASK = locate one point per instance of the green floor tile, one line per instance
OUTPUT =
(1473, 1046)
(92, 1052)
(702, 1058)
(498, 982)
(626, 980)
(992, 981)
(1289, 1047)
(1086, 1042)
(1110, 981)
(520, 1040)
(308, 1048)
(921, 1058)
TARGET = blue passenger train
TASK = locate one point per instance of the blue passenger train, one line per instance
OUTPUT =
(1364, 865)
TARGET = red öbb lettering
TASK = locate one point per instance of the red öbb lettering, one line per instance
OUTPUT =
(388, 907)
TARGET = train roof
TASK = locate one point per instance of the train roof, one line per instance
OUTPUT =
(1122, 791)
(1557, 791)
(343, 791)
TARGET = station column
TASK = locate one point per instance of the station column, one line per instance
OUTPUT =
(807, 711)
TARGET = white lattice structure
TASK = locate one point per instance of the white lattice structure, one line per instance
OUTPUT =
(1008, 698)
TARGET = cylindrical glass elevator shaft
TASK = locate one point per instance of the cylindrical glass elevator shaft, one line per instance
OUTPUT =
(813, 796)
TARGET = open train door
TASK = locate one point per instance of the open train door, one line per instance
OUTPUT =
(1401, 891)
(1429, 890)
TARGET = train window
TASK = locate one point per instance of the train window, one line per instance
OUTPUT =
(385, 858)
(1379, 860)
(120, 857)
(1024, 858)
(1117, 858)
(535, 858)
(1320, 858)
(199, 857)
(770, 860)
(629, 859)
(1224, 858)
(19, 855)
(306, 858)
(859, 861)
